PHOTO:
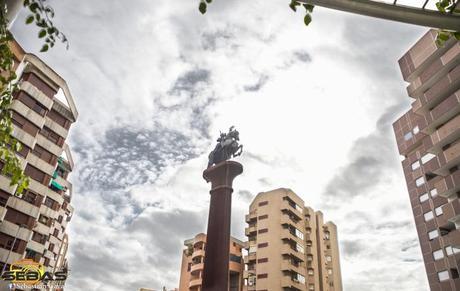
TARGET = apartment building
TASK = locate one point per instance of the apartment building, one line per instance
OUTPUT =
(33, 225)
(289, 246)
(193, 263)
(428, 139)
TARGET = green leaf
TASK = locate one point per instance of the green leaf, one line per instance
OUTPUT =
(29, 19)
(308, 7)
(293, 5)
(33, 7)
(457, 35)
(307, 19)
(443, 36)
(42, 33)
(45, 48)
(202, 7)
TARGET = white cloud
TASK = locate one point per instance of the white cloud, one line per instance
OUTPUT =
(154, 83)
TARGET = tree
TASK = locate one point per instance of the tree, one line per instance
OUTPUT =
(447, 19)
(42, 15)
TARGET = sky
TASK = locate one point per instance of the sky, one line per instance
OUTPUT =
(155, 82)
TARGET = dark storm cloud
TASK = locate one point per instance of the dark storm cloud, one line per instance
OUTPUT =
(302, 56)
(159, 247)
(352, 248)
(258, 85)
(246, 195)
(133, 156)
(211, 40)
(189, 80)
(370, 157)
(393, 225)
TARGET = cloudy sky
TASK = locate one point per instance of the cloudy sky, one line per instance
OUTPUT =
(155, 81)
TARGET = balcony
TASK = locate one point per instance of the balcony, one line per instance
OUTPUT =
(250, 257)
(251, 217)
(286, 249)
(28, 113)
(251, 230)
(446, 134)
(288, 282)
(23, 137)
(235, 267)
(436, 70)
(286, 265)
(286, 207)
(444, 161)
(449, 185)
(197, 253)
(196, 268)
(23, 206)
(247, 273)
(56, 127)
(35, 93)
(287, 235)
(442, 112)
(439, 91)
(195, 283)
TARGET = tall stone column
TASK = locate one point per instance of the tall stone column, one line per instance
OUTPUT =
(216, 273)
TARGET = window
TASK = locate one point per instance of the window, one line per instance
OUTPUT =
(263, 230)
(263, 217)
(52, 136)
(308, 230)
(426, 158)
(433, 234)
(298, 234)
(35, 173)
(329, 271)
(262, 245)
(416, 130)
(263, 203)
(438, 211)
(299, 248)
(408, 136)
(415, 165)
(262, 260)
(311, 287)
(327, 235)
(450, 250)
(328, 258)
(262, 276)
(424, 197)
(60, 217)
(56, 232)
(310, 272)
(49, 202)
(43, 219)
(420, 181)
(252, 249)
(437, 255)
(434, 192)
(309, 258)
(298, 278)
(428, 216)
(443, 276)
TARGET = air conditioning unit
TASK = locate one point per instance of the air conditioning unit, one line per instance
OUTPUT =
(251, 281)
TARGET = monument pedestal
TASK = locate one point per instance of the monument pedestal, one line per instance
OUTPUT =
(215, 273)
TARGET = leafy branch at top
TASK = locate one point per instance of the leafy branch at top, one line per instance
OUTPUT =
(42, 14)
(308, 10)
(451, 7)
(11, 165)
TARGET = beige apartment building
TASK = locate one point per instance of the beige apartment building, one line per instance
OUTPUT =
(33, 225)
(193, 263)
(428, 139)
(289, 246)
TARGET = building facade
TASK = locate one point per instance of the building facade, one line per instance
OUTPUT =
(193, 262)
(289, 246)
(428, 139)
(33, 224)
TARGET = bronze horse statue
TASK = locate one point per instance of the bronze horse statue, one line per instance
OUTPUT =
(227, 147)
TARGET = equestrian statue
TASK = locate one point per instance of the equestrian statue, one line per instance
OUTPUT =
(227, 147)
